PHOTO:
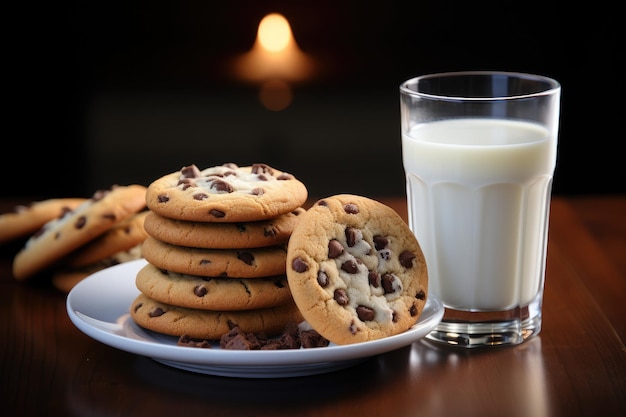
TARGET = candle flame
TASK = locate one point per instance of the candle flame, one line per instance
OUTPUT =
(274, 32)
(275, 54)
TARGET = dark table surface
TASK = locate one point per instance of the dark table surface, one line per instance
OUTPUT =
(575, 367)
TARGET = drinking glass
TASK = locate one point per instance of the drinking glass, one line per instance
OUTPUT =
(479, 151)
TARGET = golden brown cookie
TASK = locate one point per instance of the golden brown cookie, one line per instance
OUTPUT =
(204, 324)
(232, 263)
(123, 236)
(355, 270)
(226, 193)
(25, 220)
(212, 235)
(59, 237)
(206, 293)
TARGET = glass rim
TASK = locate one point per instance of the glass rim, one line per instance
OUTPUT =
(552, 85)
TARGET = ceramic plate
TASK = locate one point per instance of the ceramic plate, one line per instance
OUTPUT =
(99, 304)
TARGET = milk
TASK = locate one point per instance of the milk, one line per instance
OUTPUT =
(480, 193)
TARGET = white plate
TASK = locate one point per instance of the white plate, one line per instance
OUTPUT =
(99, 305)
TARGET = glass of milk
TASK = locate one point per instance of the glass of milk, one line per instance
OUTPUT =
(479, 152)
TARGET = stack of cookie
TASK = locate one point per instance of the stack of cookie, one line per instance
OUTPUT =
(216, 251)
(76, 237)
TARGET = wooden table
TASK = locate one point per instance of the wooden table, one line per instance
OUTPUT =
(575, 367)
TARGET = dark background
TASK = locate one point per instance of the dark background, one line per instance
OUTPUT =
(104, 92)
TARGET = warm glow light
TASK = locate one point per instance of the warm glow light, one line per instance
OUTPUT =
(274, 32)
(275, 55)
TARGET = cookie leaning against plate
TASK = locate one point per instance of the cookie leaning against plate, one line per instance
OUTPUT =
(204, 324)
(206, 293)
(27, 219)
(226, 193)
(355, 270)
(91, 219)
(123, 236)
(231, 263)
(211, 235)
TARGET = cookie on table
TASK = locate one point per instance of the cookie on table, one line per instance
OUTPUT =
(226, 193)
(204, 324)
(64, 278)
(211, 235)
(25, 220)
(59, 237)
(122, 237)
(207, 293)
(355, 270)
(233, 263)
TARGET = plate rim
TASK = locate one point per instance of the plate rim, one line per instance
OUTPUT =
(115, 334)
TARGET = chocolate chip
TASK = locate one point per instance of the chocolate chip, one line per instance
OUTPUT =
(322, 203)
(352, 235)
(269, 231)
(163, 198)
(341, 296)
(190, 171)
(240, 227)
(80, 222)
(262, 169)
(365, 313)
(200, 291)
(261, 177)
(394, 317)
(387, 282)
(350, 266)
(186, 183)
(217, 213)
(246, 257)
(420, 295)
(99, 195)
(284, 177)
(138, 306)
(335, 249)
(413, 310)
(299, 265)
(380, 242)
(64, 212)
(186, 340)
(374, 279)
(205, 261)
(156, 312)
(222, 186)
(322, 279)
(200, 196)
(351, 208)
(258, 191)
(406, 259)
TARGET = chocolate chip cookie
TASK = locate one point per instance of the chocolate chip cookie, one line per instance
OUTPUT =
(355, 270)
(212, 235)
(226, 193)
(208, 293)
(61, 236)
